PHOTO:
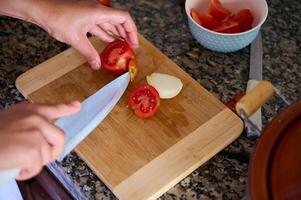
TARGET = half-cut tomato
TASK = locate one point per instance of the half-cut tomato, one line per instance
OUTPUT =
(217, 10)
(144, 100)
(118, 58)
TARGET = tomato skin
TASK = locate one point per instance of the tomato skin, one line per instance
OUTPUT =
(245, 19)
(116, 57)
(144, 100)
(105, 2)
(217, 11)
(208, 21)
(204, 20)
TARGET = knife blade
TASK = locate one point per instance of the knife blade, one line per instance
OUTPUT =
(255, 74)
(93, 111)
(78, 126)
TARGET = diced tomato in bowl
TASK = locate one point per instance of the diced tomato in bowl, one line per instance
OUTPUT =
(225, 26)
(221, 19)
(217, 10)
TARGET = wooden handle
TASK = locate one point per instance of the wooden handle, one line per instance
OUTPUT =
(256, 117)
(255, 98)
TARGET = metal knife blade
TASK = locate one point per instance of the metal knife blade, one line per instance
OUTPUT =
(256, 59)
(93, 110)
(255, 74)
(78, 126)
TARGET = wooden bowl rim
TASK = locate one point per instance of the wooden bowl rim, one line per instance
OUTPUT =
(262, 155)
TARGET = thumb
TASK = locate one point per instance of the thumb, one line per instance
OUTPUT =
(84, 47)
(54, 111)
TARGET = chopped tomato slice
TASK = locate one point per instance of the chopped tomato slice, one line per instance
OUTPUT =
(195, 16)
(144, 100)
(228, 26)
(208, 21)
(217, 10)
(245, 19)
(238, 96)
(118, 58)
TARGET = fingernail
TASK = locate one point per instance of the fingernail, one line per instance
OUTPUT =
(95, 64)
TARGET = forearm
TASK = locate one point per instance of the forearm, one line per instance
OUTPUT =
(29, 10)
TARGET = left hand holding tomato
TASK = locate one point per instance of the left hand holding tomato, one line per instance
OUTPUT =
(69, 21)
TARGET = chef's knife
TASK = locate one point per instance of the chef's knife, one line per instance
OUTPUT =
(79, 125)
(255, 74)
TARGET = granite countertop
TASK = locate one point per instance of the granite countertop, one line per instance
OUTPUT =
(24, 45)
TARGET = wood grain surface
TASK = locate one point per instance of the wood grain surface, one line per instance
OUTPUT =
(138, 158)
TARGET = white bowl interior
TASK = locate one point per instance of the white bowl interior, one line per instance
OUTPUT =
(258, 7)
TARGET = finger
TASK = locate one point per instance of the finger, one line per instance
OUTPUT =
(46, 151)
(98, 32)
(110, 28)
(121, 31)
(131, 30)
(28, 173)
(53, 140)
(83, 45)
(54, 111)
(33, 164)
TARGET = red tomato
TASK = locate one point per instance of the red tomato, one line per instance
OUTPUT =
(238, 96)
(118, 58)
(145, 101)
(208, 21)
(228, 26)
(245, 19)
(217, 10)
(105, 2)
(195, 16)
(231, 105)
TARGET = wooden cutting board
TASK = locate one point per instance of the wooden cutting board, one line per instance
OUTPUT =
(138, 158)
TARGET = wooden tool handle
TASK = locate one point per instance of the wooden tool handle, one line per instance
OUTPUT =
(255, 98)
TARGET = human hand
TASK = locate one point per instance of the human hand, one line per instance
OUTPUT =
(29, 139)
(70, 21)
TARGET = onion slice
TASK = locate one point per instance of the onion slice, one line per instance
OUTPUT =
(168, 86)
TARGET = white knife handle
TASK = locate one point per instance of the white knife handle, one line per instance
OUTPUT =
(256, 117)
(7, 175)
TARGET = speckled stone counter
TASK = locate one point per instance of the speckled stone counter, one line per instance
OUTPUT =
(24, 45)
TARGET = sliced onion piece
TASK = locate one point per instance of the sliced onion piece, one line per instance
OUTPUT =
(168, 86)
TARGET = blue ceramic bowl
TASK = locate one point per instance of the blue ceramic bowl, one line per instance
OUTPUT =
(227, 42)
